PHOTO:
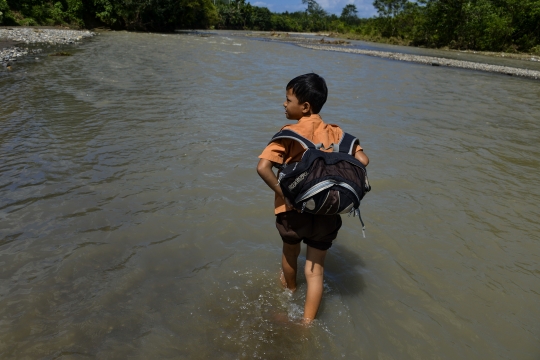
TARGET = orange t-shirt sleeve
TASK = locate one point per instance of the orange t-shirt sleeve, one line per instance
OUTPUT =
(275, 152)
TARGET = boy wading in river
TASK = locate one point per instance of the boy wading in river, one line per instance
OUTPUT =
(305, 96)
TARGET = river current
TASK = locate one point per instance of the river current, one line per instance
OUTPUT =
(133, 223)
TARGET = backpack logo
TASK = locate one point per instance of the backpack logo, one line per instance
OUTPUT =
(296, 181)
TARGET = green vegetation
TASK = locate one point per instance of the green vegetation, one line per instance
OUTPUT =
(145, 15)
(488, 25)
(39, 12)
(491, 25)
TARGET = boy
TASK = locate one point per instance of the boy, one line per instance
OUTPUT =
(305, 96)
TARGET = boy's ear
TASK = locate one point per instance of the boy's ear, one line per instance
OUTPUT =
(306, 107)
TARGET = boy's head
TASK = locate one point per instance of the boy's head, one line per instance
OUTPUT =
(310, 91)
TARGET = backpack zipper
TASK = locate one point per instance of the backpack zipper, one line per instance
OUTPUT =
(323, 185)
(350, 188)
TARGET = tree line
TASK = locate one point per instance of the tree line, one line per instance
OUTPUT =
(495, 25)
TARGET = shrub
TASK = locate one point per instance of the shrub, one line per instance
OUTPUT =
(535, 50)
(4, 9)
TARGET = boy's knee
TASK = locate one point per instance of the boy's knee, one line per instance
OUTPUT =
(313, 270)
(291, 250)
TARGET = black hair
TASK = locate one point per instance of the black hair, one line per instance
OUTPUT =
(309, 88)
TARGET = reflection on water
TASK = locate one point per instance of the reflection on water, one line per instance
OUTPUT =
(133, 223)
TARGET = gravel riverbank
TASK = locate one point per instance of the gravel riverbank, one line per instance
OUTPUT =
(29, 36)
(434, 61)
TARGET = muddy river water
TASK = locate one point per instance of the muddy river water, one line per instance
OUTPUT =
(133, 223)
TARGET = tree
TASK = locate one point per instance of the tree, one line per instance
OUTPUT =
(314, 9)
(315, 18)
(349, 14)
(155, 15)
(261, 18)
(388, 11)
(389, 8)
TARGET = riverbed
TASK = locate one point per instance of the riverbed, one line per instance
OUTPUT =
(133, 223)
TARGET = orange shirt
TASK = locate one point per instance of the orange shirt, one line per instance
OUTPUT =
(287, 150)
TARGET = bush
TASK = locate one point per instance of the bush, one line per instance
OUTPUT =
(3, 8)
(283, 22)
(483, 27)
(339, 27)
(152, 15)
(28, 22)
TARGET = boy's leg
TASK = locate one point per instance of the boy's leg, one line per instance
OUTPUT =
(314, 271)
(289, 264)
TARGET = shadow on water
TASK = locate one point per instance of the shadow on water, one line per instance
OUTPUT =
(344, 269)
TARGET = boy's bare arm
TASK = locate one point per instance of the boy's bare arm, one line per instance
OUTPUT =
(362, 157)
(264, 169)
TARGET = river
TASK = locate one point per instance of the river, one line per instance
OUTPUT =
(133, 223)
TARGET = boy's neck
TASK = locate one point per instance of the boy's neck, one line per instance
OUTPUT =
(308, 115)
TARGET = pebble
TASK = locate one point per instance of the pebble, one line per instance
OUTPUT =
(434, 61)
(37, 36)
(11, 54)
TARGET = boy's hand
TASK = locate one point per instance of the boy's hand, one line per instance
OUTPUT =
(288, 204)
(264, 168)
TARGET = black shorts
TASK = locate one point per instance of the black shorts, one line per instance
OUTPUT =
(317, 231)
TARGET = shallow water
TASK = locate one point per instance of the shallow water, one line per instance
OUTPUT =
(478, 57)
(133, 223)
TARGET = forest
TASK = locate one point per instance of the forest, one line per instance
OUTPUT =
(488, 25)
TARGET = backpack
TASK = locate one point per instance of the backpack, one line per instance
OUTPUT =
(324, 183)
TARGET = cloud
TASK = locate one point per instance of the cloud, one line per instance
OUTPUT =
(263, 4)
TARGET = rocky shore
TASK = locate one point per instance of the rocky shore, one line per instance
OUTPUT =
(14, 53)
(10, 54)
(434, 61)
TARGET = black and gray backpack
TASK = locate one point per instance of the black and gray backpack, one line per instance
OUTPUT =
(324, 183)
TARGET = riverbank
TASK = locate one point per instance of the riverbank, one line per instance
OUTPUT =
(401, 42)
(434, 61)
(528, 65)
(13, 39)
(345, 39)
(333, 38)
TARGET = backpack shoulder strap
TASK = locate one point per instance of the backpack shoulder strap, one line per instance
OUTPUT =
(289, 134)
(346, 143)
